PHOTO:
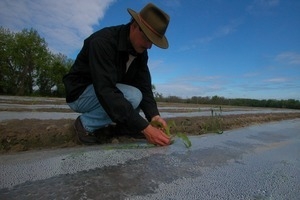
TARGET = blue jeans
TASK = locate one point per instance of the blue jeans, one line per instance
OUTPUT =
(93, 115)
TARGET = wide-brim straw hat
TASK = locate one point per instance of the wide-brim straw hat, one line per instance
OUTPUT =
(153, 22)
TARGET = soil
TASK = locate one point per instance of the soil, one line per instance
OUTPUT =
(34, 134)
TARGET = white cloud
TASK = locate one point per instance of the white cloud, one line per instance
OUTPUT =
(292, 58)
(250, 86)
(219, 32)
(266, 3)
(276, 80)
(222, 31)
(180, 90)
(199, 79)
(189, 86)
(63, 23)
(259, 7)
(154, 64)
(251, 74)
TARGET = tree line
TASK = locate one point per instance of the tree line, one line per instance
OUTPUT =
(28, 67)
(217, 100)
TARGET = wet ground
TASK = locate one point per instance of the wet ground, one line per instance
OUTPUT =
(256, 162)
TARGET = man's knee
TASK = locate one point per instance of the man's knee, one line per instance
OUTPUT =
(132, 94)
(135, 97)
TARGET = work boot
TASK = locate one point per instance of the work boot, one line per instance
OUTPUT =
(105, 134)
(83, 135)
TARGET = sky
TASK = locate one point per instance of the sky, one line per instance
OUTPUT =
(229, 48)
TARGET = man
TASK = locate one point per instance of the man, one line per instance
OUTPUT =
(110, 80)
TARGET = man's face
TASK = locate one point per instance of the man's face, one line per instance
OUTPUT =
(138, 39)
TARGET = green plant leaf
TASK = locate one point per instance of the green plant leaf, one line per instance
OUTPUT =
(185, 139)
(170, 124)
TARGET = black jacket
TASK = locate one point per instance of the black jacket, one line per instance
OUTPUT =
(102, 62)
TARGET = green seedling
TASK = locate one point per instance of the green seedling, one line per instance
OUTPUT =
(167, 131)
(185, 139)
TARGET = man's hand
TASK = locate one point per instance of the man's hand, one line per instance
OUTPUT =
(159, 119)
(156, 136)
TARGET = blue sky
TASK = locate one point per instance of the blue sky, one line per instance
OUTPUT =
(229, 48)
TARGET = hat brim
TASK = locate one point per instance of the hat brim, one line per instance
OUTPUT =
(161, 42)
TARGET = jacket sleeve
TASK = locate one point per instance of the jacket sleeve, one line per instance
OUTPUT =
(104, 73)
(143, 82)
